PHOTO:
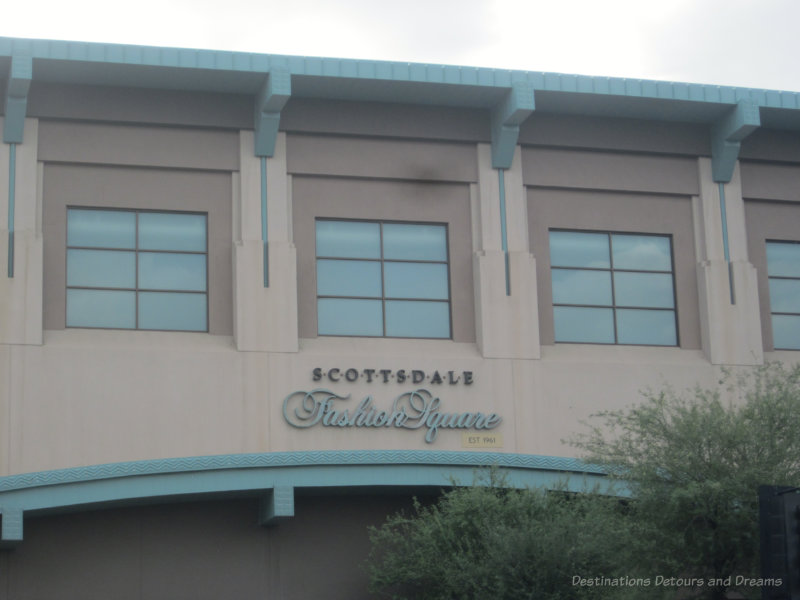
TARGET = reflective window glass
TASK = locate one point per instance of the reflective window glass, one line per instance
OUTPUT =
(348, 239)
(95, 270)
(407, 318)
(414, 242)
(172, 271)
(783, 271)
(653, 290)
(415, 280)
(101, 268)
(578, 249)
(337, 316)
(172, 231)
(172, 311)
(580, 324)
(783, 259)
(576, 286)
(402, 266)
(90, 228)
(641, 252)
(348, 278)
(784, 295)
(631, 274)
(786, 332)
(101, 308)
(651, 327)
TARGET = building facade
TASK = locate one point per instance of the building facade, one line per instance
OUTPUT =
(251, 304)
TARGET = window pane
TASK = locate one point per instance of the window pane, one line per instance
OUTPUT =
(786, 332)
(417, 319)
(588, 325)
(578, 249)
(573, 286)
(101, 308)
(414, 242)
(337, 316)
(416, 280)
(348, 239)
(652, 327)
(101, 228)
(348, 278)
(171, 231)
(641, 252)
(171, 311)
(167, 271)
(643, 289)
(783, 259)
(784, 295)
(101, 268)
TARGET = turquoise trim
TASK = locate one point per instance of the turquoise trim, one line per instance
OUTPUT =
(271, 99)
(726, 136)
(501, 178)
(264, 234)
(451, 76)
(274, 477)
(294, 459)
(12, 195)
(506, 119)
(12, 526)
(17, 87)
(277, 506)
(214, 60)
(725, 247)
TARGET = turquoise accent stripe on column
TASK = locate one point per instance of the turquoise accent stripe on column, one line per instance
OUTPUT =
(503, 231)
(12, 187)
(725, 247)
(264, 238)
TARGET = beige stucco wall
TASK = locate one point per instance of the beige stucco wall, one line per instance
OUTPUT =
(71, 397)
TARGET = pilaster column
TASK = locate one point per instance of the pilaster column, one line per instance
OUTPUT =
(265, 318)
(21, 287)
(506, 312)
(730, 326)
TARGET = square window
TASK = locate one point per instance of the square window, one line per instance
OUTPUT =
(378, 279)
(783, 271)
(613, 288)
(137, 270)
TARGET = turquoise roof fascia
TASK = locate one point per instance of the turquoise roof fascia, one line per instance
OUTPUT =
(275, 477)
(214, 60)
(16, 100)
(727, 135)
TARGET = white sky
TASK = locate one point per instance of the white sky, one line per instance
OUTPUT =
(749, 43)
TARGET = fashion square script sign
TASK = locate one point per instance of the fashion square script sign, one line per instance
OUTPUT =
(416, 409)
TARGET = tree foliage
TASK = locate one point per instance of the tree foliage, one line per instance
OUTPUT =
(487, 542)
(694, 461)
(691, 463)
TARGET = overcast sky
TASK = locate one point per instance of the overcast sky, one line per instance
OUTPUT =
(749, 43)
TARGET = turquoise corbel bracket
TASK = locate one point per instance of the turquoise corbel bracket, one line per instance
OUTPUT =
(506, 119)
(11, 535)
(18, 84)
(270, 101)
(277, 506)
(726, 136)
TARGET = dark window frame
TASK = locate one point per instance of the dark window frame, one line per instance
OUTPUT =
(779, 277)
(611, 270)
(383, 298)
(136, 251)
